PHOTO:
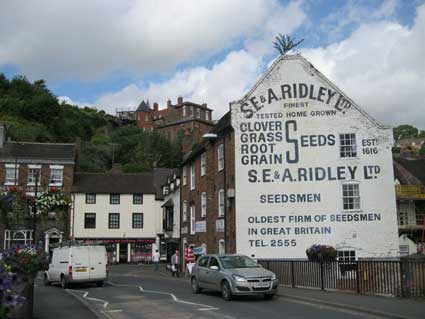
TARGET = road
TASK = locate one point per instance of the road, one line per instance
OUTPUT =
(138, 292)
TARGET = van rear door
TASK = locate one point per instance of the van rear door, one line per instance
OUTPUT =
(98, 261)
(80, 263)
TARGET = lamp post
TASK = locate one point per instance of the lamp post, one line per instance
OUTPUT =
(214, 136)
(35, 207)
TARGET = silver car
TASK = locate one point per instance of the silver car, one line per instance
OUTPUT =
(233, 275)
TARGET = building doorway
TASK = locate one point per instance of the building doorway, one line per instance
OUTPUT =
(123, 252)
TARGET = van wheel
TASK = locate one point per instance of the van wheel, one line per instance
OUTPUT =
(226, 292)
(64, 284)
(99, 283)
(46, 280)
(195, 286)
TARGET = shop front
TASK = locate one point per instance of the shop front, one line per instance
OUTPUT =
(125, 250)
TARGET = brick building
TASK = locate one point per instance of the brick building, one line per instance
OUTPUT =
(410, 195)
(207, 193)
(21, 164)
(294, 163)
(188, 119)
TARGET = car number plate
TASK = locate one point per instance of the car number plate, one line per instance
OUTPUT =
(261, 285)
(81, 270)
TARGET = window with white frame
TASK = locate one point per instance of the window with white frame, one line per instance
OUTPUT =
(191, 111)
(347, 145)
(203, 204)
(184, 211)
(114, 221)
(198, 113)
(12, 174)
(184, 175)
(402, 218)
(89, 220)
(192, 176)
(221, 203)
(346, 255)
(207, 115)
(184, 110)
(420, 218)
(33, 174)
(203, 163)
(56, 175)
(90, 198)
(350, 197)
(220, 157)
(137, 221)
(404, 250)
(192, 220)
(114, 199)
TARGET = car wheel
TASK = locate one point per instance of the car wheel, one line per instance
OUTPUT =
(99, 283)
(195, 286)
(64, 284)
(46, 280)
(226, 292)
(268, 296)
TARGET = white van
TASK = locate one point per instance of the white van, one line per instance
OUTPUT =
(76, 264)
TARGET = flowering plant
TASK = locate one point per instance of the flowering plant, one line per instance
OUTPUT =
(51, 199)
(9, 295)
(26, 260)
(320, 253)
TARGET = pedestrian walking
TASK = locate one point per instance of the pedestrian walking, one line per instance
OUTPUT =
(175, 262)
(155, 259)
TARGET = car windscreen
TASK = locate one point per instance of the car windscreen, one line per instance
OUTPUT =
(238, 262)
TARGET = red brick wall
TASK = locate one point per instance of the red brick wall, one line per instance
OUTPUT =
(211, 183)
(68, 175)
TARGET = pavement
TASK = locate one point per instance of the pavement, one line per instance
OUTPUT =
(136, 291)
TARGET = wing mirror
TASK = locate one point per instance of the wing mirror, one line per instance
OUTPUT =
(214, 268)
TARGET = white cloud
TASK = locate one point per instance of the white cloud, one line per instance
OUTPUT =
(381, 67)
(89, 40)
(70, 101)
(225, 81)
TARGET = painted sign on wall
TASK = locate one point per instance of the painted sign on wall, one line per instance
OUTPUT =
(311, 168)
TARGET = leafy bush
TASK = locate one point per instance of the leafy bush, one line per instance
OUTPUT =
(320, 253)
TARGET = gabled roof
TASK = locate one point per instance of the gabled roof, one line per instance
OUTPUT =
(312, 70)
(122, 183)
(113, 183)
(410, 172)
(38, 152)
(144, 107)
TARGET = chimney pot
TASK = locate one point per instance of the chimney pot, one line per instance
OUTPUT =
(180, 100)
(169, 103)
(155, 106)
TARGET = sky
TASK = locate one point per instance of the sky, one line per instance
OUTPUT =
(114, 54)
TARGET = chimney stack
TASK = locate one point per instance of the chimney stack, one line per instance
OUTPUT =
(169, 103)
(180, 100)
(155, 106)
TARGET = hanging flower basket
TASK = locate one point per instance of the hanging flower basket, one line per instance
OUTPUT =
(51, 200)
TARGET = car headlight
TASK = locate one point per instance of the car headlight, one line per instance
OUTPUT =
(274, 277)
(239, 278)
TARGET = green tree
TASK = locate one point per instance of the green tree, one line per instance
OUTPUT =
(405, 131)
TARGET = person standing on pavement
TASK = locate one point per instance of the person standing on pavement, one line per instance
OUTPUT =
(175, 262)
(155, 259)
